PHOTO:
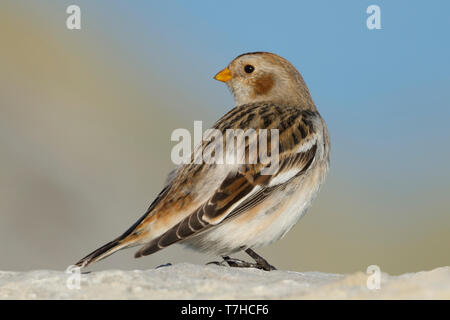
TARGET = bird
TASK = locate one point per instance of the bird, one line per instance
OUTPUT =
(224, 208)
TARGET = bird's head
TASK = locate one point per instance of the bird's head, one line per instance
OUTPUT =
(265, 77)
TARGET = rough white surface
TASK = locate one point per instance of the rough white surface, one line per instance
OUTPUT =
(187, 281)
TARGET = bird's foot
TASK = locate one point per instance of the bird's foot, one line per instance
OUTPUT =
(217, 263)
(237, 263)
(234, 263)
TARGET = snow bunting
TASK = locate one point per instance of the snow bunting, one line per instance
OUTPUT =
(223, 208)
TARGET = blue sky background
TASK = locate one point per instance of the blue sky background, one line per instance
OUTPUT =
(88, 114)
(390, 85)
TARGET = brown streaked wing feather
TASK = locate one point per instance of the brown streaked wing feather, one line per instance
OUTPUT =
(237, 192)
(232, 190)
(303, 161)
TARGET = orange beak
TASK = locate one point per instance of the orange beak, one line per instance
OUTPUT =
(223, 75)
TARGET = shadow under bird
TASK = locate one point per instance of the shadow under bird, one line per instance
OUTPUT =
(229, 207)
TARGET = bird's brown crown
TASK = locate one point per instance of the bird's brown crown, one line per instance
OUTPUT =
(265, 77)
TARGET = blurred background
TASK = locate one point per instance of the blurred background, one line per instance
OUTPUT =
(86, 117)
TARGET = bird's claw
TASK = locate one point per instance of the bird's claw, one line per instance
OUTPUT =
(221, 263)
(237, 263)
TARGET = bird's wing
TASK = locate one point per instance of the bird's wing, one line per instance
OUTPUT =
(189, 210)
(248, 186)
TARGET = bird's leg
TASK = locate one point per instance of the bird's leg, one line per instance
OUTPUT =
(261, 263)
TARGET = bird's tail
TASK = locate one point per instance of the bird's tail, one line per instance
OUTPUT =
(129, 238)
(103, 252)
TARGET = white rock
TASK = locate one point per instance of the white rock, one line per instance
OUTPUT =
(187, 281)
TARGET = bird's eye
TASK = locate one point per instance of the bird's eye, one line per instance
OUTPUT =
(249, 68)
